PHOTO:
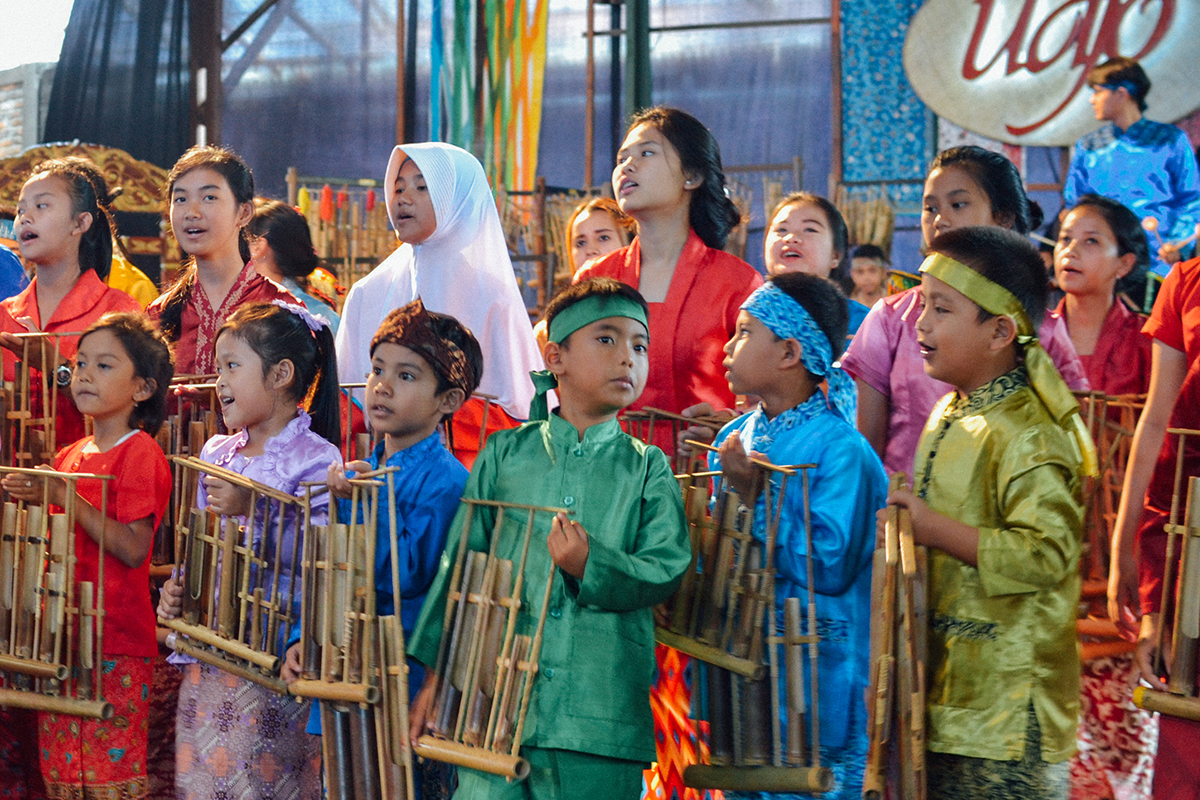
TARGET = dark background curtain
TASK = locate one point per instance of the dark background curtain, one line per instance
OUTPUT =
(122, 78)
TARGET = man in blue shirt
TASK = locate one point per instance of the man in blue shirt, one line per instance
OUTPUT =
(12, 274)
(1148, 166)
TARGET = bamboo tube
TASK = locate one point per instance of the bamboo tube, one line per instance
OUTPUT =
(335, 746)
(8, 544)
(36, 669)
(712, 655)
(758, 779)
(337, 692)
(215, 660)
(87, 617)
(448, 697)
(508, 766)
(1165, 703)
(756, 723)
(234, 648)
(507, 703)
(1187, 609)
(54, 704)
(493, 632)
(227, 612)
(794, 670)
(193, 573)
(696, 505)
(720, 715)
(363, 753)
(309, 645)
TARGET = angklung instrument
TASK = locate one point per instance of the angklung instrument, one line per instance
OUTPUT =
(30, 401)
(1180, 599)
(642, 423)
(51, 629)
(896, 697)
(191, 421)
(352, 659)
(724, 615)
(241, 588)
(492, 638)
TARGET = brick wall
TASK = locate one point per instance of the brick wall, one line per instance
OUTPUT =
(24, 96)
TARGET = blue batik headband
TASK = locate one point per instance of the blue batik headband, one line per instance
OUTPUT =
(787, 319)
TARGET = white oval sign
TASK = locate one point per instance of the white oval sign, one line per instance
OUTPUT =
(1016, 70)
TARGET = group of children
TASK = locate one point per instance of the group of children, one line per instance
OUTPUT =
(962, 383)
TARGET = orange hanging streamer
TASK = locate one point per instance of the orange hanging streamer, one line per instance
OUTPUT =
(327, 210)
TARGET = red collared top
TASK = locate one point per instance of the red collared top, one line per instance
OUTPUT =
(87, 301)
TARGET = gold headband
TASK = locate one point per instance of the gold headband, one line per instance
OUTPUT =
(1044, 377)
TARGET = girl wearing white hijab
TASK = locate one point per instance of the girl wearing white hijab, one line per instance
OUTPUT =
(457, 262)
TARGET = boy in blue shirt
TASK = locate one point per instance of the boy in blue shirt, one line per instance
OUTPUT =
(790, 332)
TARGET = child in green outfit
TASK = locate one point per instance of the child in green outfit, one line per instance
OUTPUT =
(997, 501)
(622, 552)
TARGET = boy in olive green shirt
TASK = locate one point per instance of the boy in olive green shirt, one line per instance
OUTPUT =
(623, 551)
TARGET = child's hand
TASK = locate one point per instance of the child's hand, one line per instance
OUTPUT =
(918, 511)
(29, 488)
(568, 543)
(1143, 656)
(290, 672)
(226, 499)
(699, 433)
(421, 707)
(339, 484)
(742, 475)
(170, 599)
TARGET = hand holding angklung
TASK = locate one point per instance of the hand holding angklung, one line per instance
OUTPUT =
(170, 599)
(226, 499)
(568, 543)
(31, 489)
(739, 472)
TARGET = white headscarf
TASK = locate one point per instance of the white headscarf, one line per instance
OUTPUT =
(462, 269)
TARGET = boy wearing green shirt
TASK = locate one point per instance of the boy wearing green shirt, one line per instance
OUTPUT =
(624, 550)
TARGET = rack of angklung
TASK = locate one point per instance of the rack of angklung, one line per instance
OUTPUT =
(352, 659)
(1179, 699)
(191, 421)
(491, 639)
(896, 697)
(721, 615)
(642, 423)
(242, 631)
(51, 631)
(30, 401)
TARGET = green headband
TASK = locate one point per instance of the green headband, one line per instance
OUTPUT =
(588, 310)
(1044, 377)
(591, 309)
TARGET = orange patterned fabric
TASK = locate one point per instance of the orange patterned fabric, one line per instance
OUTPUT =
(677, 740)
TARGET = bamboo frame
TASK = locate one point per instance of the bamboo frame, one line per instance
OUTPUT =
(724, 615)
(237, 612)
(352, 658)
(896, 697)
(641, 423)
(51, 630)
(486, 598)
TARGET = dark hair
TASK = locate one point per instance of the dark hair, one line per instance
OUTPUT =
(274, 333)
(286, 231)
(1121, 70)
(824, 302)
(835, 221)
(872, 251)
(999, 180)
(233, 169)
(151, 357)
(89, 195)
(1127, 230)
(626, 224)
(592, 287)
(1005, 258)
(711, 214)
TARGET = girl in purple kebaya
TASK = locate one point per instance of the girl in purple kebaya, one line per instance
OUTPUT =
(268, 355)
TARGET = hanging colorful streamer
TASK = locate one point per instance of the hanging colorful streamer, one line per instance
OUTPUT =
(506, 137)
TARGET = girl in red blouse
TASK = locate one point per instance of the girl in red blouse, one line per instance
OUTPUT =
(123, 369)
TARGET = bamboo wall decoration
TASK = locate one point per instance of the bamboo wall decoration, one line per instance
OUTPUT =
(352, 658)
(896, 697)
(51, 631)
(723, 614)
(486, 668)
(241, 579)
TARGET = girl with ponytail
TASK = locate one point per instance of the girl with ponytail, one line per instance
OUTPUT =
(65, 231)
(669, 178)
(210, 196)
